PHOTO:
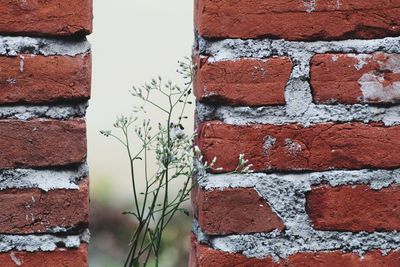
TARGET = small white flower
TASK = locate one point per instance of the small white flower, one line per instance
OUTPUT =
(106, 133)
(177, 133)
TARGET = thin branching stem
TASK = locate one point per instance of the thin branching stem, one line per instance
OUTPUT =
(173, 149)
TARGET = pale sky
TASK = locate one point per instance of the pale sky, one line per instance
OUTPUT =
(133, 41)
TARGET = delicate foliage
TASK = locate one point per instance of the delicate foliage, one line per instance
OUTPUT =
(243, 166)
(173, 149)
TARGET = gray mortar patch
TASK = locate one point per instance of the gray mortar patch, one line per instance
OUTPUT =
(376, 179)
(281, 245)
(269, 143)
(43, 179)
(310, 5)
(286, 193)
(314, 114)
(300, 107)
(229, 49)
(33, 243)
(59, 112)
(12, 46)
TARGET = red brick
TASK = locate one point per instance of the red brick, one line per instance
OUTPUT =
(295, 147)
(331, 19)
(38, 17)
(60, 257)
(351, 79)
(42, 143)
(27, 211)
(341, 259)
(250, 82)
(40, 79)
(203, 256)
(354, 208)
(193, 252)
(208, 257)
(234, 211)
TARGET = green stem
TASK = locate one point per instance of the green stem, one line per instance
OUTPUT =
(125, 130)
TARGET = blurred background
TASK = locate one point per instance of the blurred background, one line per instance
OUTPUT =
(133, 41)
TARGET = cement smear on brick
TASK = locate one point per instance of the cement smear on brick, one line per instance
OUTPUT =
(43, 179)
(286, 194)
(41, 242)
(375, 87)
(12, 46)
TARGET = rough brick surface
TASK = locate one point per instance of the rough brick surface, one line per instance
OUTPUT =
(56, 17)
(250, 82)
(340, 259)
(58, 258)
(308, 91)
(298, 20)
(234, 211)
(39, 79)
(26, 211)
(354, 208)
(208, 257)
(41, 143)
(295, 147)
(45, 72)
(203, 256)
(351, 79)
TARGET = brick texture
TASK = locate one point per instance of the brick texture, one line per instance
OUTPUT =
(351, 79)
(45, 72)
(234, 211)
(354, 208)
(309, 92)
(42, 143)
(27, 211)
(60, 257)
(39, 79)
(203, 256)
(55, 18)
(249, 82)
(298, 20)
(295, 147)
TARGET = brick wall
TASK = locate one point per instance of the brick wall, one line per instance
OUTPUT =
(45, 77)
(309, 91)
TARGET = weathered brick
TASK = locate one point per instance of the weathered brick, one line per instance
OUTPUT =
(39, 79)
(354, 208)
(250, 82)
(42, 143)
(295, 147)
(298, 20)
(193, 252)
(204, 256)
(60, 257)
(27, 211)
(54, 18)
(234, 211)
(351, 79)
(341, 259)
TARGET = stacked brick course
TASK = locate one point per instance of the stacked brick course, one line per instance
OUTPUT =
(45, 77)
(309, 91)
